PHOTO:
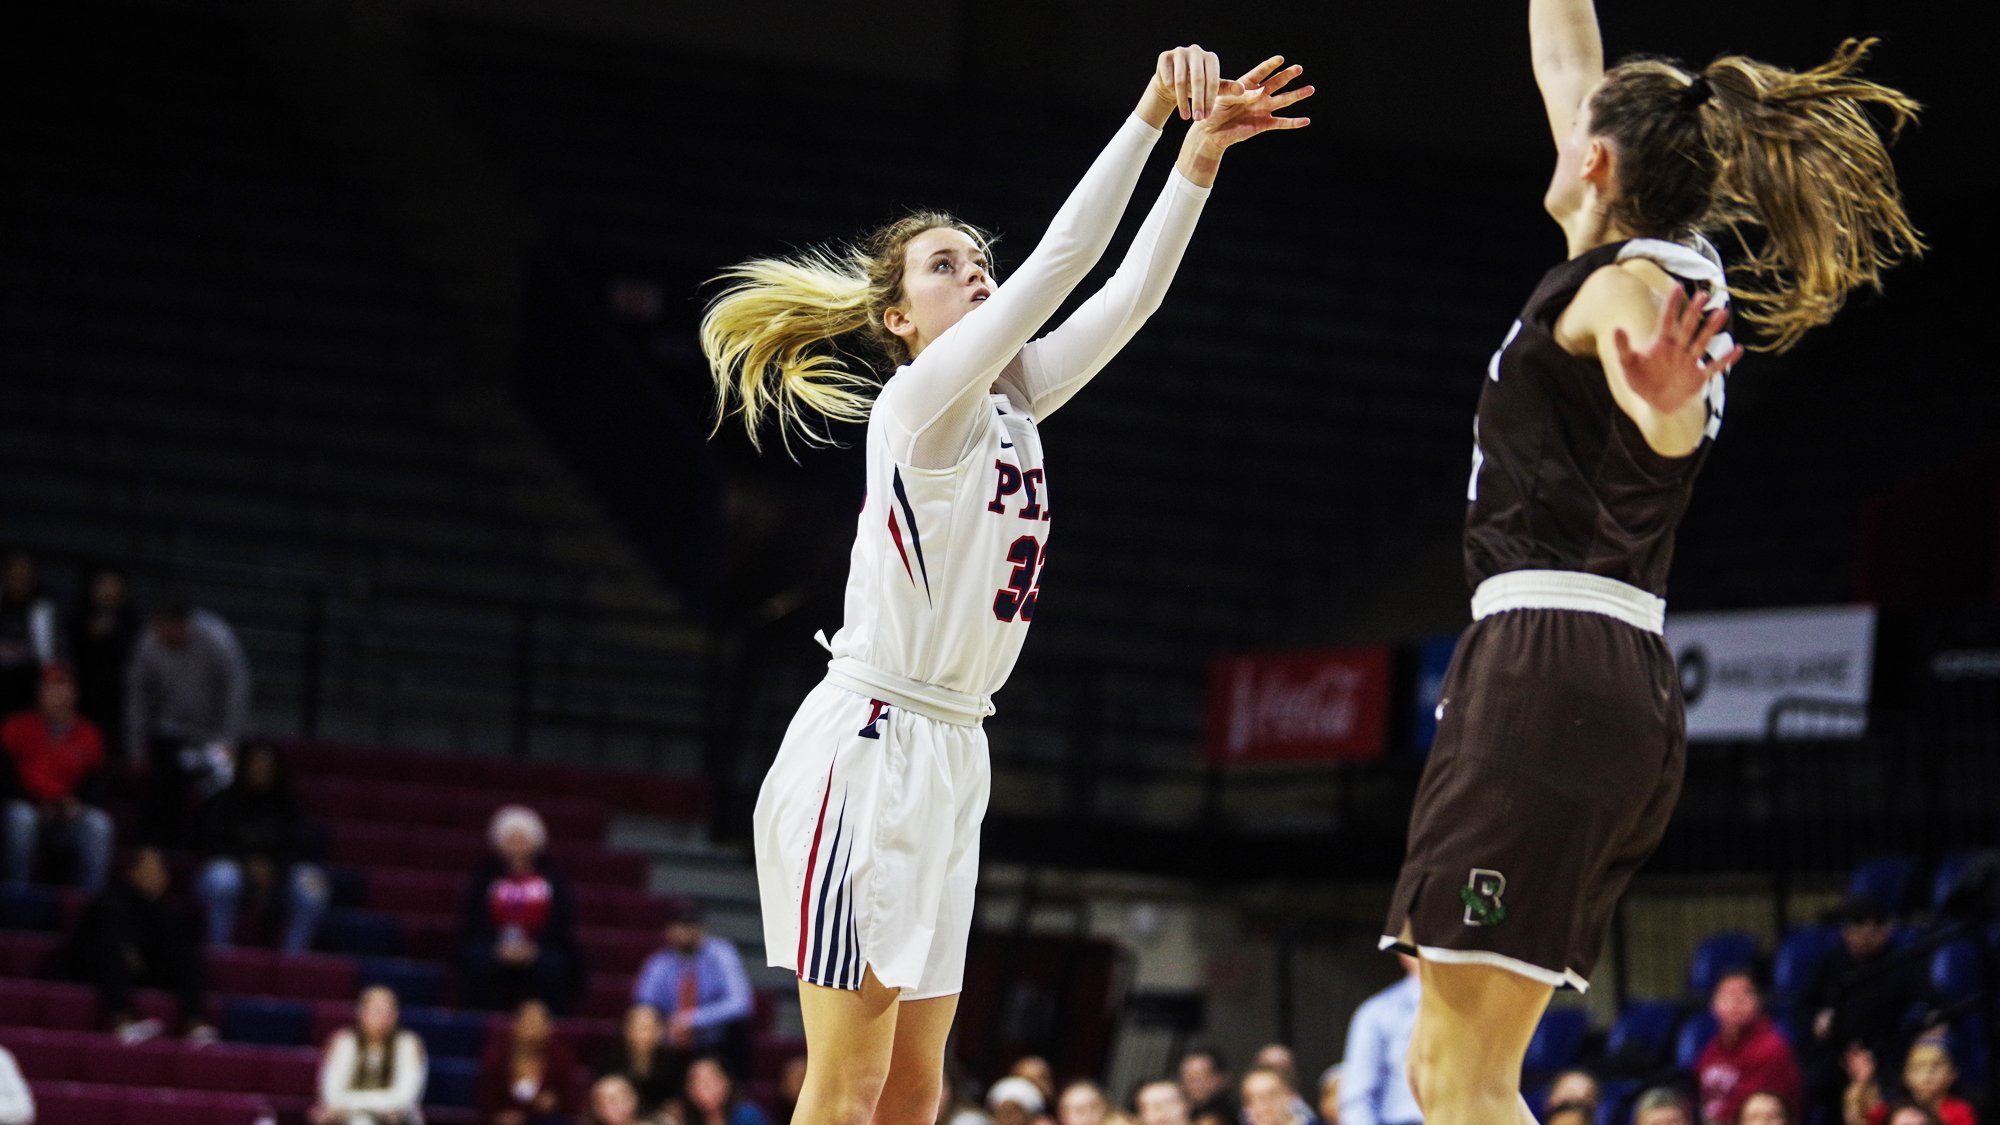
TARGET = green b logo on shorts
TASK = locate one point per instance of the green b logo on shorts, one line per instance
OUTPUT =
(1481, 896)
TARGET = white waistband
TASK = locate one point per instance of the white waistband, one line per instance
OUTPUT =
(1569, 589)
(940, 703)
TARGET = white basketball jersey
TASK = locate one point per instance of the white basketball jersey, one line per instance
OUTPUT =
(942, 583)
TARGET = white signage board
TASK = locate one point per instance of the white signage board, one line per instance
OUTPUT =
(1809, 668)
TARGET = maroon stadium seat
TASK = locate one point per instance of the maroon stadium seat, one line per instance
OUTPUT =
(222, 1066)
(25, 954)
(78, 1103)
(44, 1003)
(55, 1055)
(615, 951)
(140, 1064)
(291, 1073)
(169, 1107)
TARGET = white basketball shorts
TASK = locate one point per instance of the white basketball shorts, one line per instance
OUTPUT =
(867, 841)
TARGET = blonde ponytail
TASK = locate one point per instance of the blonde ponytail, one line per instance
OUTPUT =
(771, 337)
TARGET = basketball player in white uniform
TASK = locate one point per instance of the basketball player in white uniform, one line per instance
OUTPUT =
(867, 826)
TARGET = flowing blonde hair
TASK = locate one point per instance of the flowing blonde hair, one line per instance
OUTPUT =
(771, 337)
(1758, 146)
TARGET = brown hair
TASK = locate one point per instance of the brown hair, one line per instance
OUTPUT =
(1744, 144)
(767, 336)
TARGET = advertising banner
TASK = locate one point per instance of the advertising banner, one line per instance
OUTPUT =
(1788, 673)
(1325, 705)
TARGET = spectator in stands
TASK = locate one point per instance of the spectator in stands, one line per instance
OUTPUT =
(1278, 1057)
(102, 635)
(1161, 1103)
(792, 1083)
(251, 834)
(519, 921)
(1746, 1055)
(644, 1061)
(956, 1105)
(1910, 1113)
(697, 982)
(1082, 1103)
(374, 1072)
(187, 701)
(712, 1097)
(56, 758)
(1036, 1069)
(27, 632)
(1762, 1108)
(1662, 1105)
(1575, 1086)
(1375, 1083)
(526, 1074)
(1329, 1095)
(1014, 1100)
(1205, 1080)
(132, 937)
(1568, 1115)
(1859, 995)
(1269, 1099)
(1928, 1077)
(17, 1103)
(613, 1101)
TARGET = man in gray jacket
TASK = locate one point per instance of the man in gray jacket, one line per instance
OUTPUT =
(187, 701)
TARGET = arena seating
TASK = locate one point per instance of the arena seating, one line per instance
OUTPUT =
(398, 851)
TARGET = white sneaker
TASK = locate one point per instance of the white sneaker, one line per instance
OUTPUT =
(138, 1031)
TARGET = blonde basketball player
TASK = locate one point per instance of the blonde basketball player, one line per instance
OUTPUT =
(867, 826)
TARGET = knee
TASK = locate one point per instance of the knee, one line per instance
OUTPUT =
(94, 827)
(310, 886)
(911, 1101)
(848, 1095)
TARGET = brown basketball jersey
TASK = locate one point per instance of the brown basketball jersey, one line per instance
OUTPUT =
(1562, 479)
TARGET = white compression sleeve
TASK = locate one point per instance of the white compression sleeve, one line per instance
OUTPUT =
(934, 401)
(1058, 365)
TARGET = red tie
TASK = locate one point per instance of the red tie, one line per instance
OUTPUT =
(686, 1000)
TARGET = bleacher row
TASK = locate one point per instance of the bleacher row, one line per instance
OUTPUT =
(402, 832)
(1654, 1037)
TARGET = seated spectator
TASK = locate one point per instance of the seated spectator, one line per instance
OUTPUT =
(697, 982)
(1928, 1076)
(1205, 1081)
(373, 1072)
(102, 635)
(1014, 1100)
(956, 1105)
(1859, 994)
(712, 1098)
(1746, 1055)
(1762, 1108)
(643, 1062)
(252, 833)
(1036, 1069)
(613, 1101)
(27, 632)
(187, 702)
(1278, 1057)
(1662, 1105)
(1161, 1103)
(519, 922)
(132, 937)
(1268, 1099)
(1375, 1077)
(525, 1076)
(1576, 1087)
(792, 1083)
(1910, 1113)
(1082, 1103)
(57, 757)
(17, 1103)
(1329, 1095)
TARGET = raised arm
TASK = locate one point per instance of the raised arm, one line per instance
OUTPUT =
(935, 401)
(1056, 366)
(1569, 57)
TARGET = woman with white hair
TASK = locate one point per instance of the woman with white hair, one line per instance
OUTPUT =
(518, 921)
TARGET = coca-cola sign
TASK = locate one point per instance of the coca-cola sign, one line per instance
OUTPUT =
(1313, 706)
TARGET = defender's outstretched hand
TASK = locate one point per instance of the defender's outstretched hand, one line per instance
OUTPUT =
(1249, 105)
(1675, 366)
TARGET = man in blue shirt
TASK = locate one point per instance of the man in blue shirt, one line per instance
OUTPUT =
(697, 983)
(1374, 1078)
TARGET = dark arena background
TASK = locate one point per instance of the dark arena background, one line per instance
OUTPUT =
(368, 328)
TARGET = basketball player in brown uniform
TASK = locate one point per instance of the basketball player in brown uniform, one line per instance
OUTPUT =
(1560, 743)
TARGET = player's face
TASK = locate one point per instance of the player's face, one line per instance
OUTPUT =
(944, 277)
(1574, 165)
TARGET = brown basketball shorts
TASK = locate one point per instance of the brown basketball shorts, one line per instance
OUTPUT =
(1560, 747)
